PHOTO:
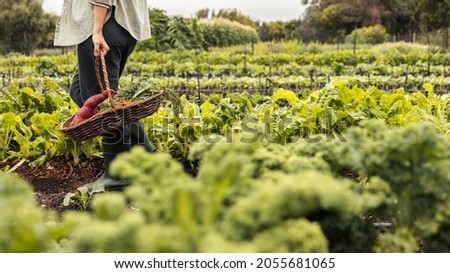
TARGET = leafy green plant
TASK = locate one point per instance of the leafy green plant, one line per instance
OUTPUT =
(24, 227)
(82, 198)
(412, 161)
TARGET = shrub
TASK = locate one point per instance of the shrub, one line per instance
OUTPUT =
(368, 35)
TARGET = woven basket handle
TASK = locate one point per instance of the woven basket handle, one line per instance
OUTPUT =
(105, 87)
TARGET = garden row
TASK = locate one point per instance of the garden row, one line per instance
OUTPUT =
(30, 119)
(396, 60)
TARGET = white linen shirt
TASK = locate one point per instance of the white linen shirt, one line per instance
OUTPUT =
(76, 22)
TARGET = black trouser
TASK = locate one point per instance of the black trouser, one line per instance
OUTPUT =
(85, 85)
(121, 44)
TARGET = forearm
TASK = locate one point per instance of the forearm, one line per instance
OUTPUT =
(100, 45)
(99, 19)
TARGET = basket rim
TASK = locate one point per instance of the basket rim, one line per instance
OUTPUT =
(64, 127)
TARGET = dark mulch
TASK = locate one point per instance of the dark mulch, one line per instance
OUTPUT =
(57, 177)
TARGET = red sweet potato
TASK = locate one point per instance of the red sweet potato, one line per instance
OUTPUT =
(90, 108)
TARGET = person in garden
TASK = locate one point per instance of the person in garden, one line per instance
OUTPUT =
(110, 28)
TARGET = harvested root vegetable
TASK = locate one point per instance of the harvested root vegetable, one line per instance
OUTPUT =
(90, 108)
(123, 103)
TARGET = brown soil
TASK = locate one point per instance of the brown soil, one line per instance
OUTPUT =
(57, 177)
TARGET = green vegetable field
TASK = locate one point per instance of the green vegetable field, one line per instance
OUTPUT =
(282, 148)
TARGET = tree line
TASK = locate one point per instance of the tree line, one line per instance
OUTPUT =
(331, 20)
(25, 26)
(176, 32)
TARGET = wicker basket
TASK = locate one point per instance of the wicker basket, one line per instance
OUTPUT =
(112, 118)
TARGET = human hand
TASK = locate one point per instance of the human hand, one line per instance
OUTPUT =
(100, 45)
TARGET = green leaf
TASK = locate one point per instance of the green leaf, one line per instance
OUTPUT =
(68, 199)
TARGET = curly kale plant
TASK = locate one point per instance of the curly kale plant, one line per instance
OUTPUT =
(23, 225)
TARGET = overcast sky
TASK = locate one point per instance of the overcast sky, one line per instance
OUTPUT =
(264, 10)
